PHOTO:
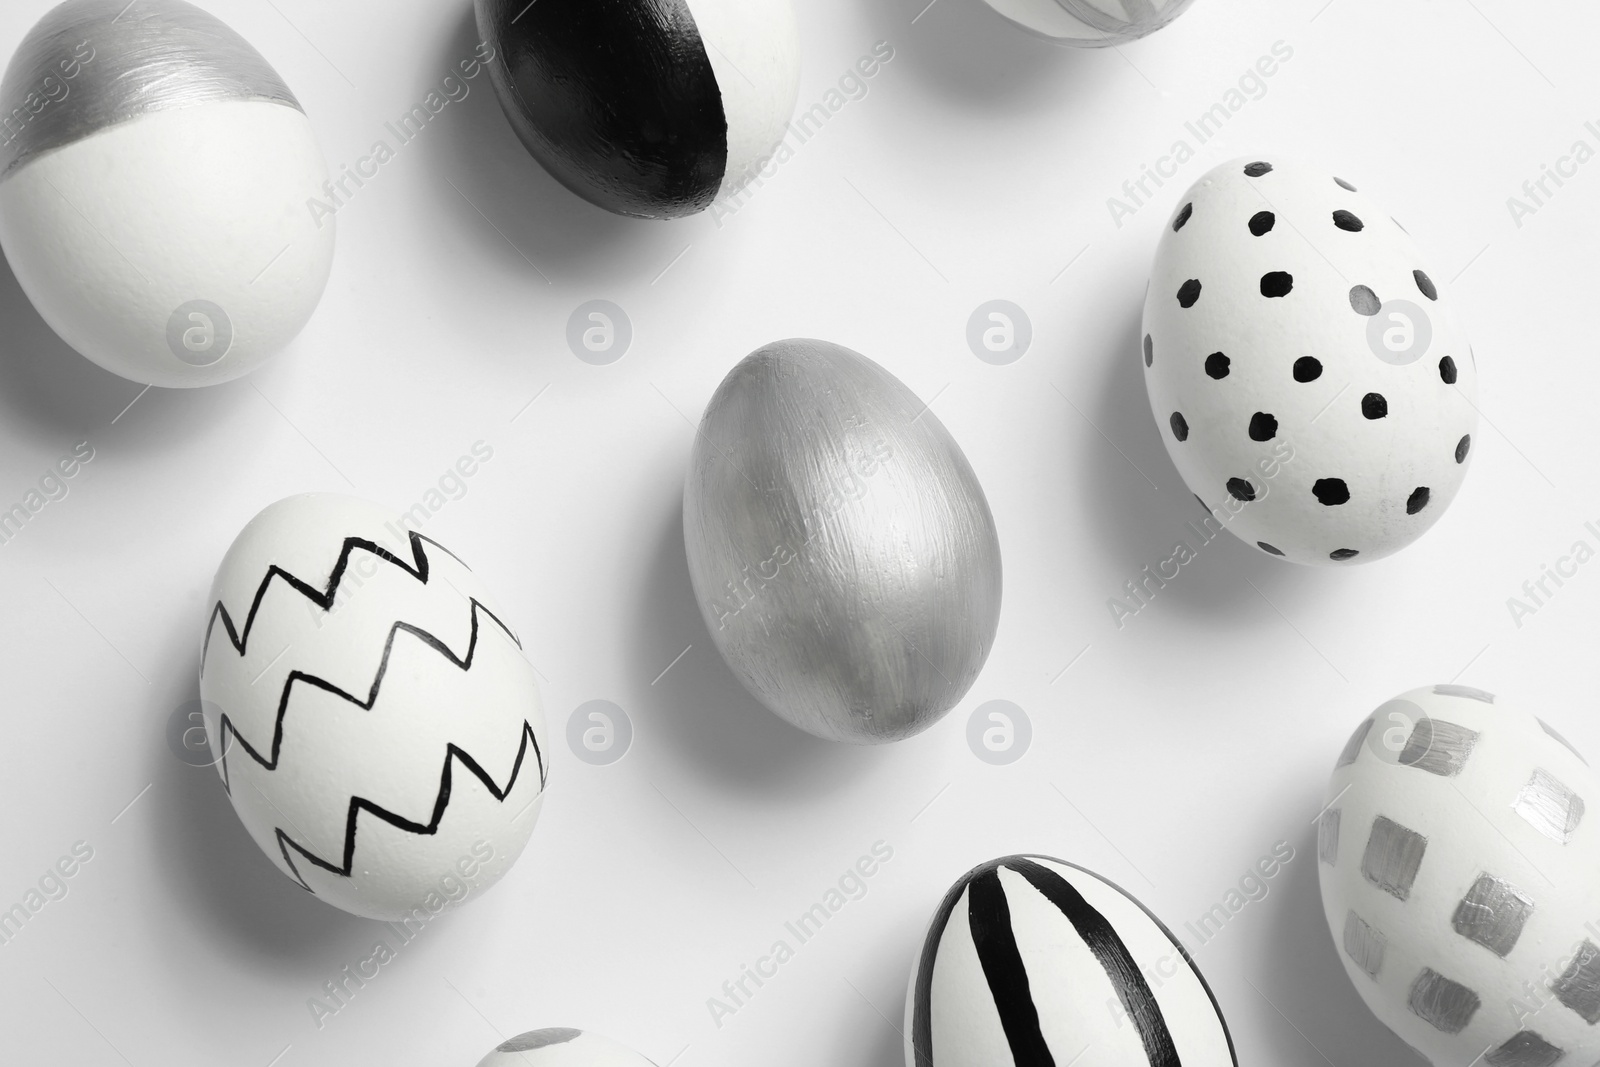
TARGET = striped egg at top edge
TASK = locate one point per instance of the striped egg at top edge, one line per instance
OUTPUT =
(1033, 961)
(647, 108)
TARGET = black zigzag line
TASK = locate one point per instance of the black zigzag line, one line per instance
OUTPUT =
(324, 599)
(441, 802)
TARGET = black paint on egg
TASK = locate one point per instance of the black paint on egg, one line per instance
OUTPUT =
(1016, 937)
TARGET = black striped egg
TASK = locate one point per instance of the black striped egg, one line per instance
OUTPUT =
(1459, 856)
(370, 710)
(562, 1047)
(1305, 368)
(1031, 960)
(650, 108)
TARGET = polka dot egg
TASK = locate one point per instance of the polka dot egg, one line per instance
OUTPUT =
(1460, 863)
(1304, 367)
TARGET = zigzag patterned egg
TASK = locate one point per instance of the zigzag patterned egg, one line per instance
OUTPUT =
(1306, 372)
(1091, 23)
(1031, 960)
(840, 546)
(1460, 867)
(370, 711)
(154, 172)
(651, 108)
(561, 1047)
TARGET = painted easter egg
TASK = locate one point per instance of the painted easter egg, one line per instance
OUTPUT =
(651, 108)
(1305, 369)
(561, 1047)
(1091, 23)
(369, 709)
(1460, 867)
(155, 173)
(1032, 960)
(840, 546)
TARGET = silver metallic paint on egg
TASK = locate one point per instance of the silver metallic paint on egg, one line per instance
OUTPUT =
(841, 549)
(149, 55)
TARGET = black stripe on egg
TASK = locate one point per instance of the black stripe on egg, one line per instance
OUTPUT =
(989, 918)
(616, 98)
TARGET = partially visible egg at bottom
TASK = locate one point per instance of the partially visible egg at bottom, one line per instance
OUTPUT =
(562, 1047)
(1031, 960)
(1460, 870)
(1305, 367)
(159, 206)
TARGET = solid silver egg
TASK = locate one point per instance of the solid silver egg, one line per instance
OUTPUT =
(841, 548)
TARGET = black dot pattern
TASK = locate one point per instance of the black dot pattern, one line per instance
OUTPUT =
(1263, 427)
(1149, 350)
(1447, 370)
(1188, 293)
(1263, 546)
(1180, 426)
(1307, 369)
(1425, 285)
(1374, 406)
(1344, 185)
(1331, 492)
(1463, 447)
(1347, 221)
(1277, 283)
(1241, 489)
(1365, 301)
(1258, 170)
(1184, 215)
(1339, 555)
(1217, 365)
(1417, 500)
(1262, 222)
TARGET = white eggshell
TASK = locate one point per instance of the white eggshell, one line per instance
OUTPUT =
(1031, 960)
(1090, 23)
(371, 712)
(754, 48)
(1312, 423)
(563, 1048)
(111, 235)
(1460, 866)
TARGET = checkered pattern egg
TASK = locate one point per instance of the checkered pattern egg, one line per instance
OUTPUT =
(1306, 372)
(370, 710)
(1460, 865)
(561, 1047)
(1091, 23)
(1031, 960)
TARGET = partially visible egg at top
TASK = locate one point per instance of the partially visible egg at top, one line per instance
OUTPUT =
(1459, 856)
(1091, 23)
(1305, 366)
(649, 108)
(156, 177)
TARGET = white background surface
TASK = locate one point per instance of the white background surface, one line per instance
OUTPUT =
(1171, 756)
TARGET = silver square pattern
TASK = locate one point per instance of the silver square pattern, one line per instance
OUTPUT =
(1444, 1005)
(1524, 1049)
(1549, 807)
(1439, 747)
(1328, 837)
(1363, 944)
(1492, 914)
(1464, 691)
(1579, 985)
(1352, 747)
(1547, 729)
(1393, 857)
